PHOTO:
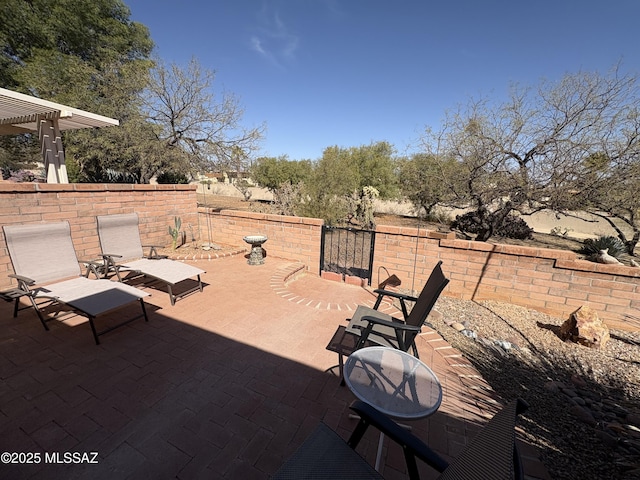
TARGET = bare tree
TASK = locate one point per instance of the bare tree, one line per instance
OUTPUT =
(528, 153)
(202, 129)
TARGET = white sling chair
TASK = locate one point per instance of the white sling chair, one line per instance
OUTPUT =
(122, 251)
(47, 271)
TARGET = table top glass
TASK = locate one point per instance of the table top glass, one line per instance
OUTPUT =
(394, 382)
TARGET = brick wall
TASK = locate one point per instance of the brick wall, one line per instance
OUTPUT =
(156, 206)
(294, 238)
(552, 281)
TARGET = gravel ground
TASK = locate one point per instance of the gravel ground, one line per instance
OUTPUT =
(585, 409)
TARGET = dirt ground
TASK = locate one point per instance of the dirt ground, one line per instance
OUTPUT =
(540, 240)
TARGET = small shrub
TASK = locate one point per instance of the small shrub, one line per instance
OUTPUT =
(114, 176)
(591, 247)
(172, 178)
(515, 227)
(21, 176)
(511, 226)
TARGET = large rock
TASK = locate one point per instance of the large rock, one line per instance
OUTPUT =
(585, 327)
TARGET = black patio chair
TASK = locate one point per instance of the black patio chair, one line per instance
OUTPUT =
(370, 327)
(492, 454)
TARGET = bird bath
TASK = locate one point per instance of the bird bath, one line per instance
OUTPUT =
(256, 257)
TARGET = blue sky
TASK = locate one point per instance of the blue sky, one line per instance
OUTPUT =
(350, 72)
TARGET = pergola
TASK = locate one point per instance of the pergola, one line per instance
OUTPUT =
(21, 113)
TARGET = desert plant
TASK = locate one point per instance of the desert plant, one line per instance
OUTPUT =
(243, 187)
(21, 176)
(510, 227)
(172, 178)
(560, 231)
(175, 232)
(515, 227)
(591, 247)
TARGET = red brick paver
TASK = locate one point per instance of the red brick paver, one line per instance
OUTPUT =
(225, 384)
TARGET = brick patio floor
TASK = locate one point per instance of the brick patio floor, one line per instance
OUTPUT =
(225, 384)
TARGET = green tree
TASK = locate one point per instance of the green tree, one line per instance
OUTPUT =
(342, 174)
(88, 55)
(272, 172)
(341, 171)
(426, 180)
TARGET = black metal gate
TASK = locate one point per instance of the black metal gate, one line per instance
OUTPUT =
(347, 251)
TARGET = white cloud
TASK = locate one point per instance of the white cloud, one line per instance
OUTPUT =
(273, 39)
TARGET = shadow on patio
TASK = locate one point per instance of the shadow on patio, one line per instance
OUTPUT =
(225, 384)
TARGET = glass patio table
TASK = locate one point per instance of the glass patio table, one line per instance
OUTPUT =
(394, 382)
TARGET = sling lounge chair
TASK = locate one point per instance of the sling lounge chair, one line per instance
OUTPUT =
(48, 273)
(491, 454)
(370, 327)
(122, 251)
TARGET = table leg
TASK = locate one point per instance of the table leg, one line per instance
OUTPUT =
(379, 454)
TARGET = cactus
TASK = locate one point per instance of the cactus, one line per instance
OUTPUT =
(175, 232)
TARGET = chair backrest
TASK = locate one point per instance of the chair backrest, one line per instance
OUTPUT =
(428, 297)
(43, 252)
(492, 452)
(120, 235)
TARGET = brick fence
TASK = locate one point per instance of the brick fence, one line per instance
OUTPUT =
(81, 203)
(552, 281)
(294, 238)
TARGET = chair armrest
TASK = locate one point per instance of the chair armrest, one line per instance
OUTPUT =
(153, 253)
(23, 279)
(92, 266)
(110, 256)
(400, 296)
(412, 446)
(397, 325)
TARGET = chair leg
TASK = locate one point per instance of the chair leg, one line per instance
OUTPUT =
(35, 307)
(95, 332)
(341, 369)
(144, 310)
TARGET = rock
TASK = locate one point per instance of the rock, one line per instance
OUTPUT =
(633, 419)
(578, 381)
(585, 327)
(469, 333)
(457, 326)
(449, 322)
(583, 415)
(616, 428)
(609, 440)
(506, 346)
(578, 401)
(633, 431)
(553, 387)
(604, 257)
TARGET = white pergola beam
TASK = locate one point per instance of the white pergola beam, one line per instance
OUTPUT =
(21, 113)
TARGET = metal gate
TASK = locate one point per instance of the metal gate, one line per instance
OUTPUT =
(347, 251)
